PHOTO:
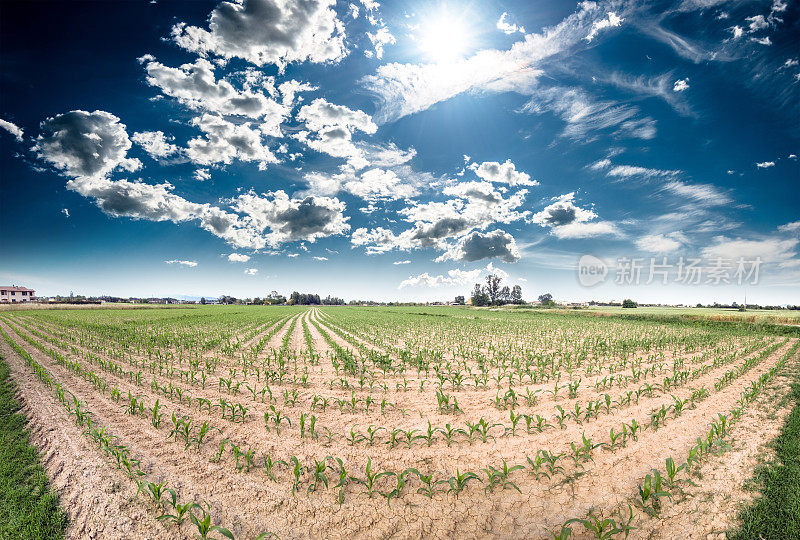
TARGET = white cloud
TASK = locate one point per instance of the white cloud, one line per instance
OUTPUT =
(251, 271)
(659, 243)
(506, 27)
(380, 39)
(567, 220)
(225, 141)
(585, 116)
(632, 171)
(81, 143)
(189, 264)
(453, 278)
(504, 173)
(701, 193)
(613, 20)
(737, 31)
(765, 164)
(793, 226)
(268, 32)
(65, 212)
(770, 250)
(757, 22)
(681, 85)
(155, 143)
(238, 257)
(477, 246)
(291, 220)
(562, 212)
(404, 89)
(578, 229)
(401, 262)
(331, 129)
(762, 41)
(201, 175)
(195, 86)
(12, 128)
(316, 258)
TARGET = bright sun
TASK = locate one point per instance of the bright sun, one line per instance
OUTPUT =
(444, 39)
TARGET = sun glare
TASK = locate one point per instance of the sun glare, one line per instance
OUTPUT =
(444, 39)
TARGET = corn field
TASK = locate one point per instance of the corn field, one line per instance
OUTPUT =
(262, 422)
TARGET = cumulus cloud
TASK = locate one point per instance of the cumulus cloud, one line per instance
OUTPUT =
(505, 173)
(251, 271)
(401, 262)
(442, 225)
(562, 212)
(201, 175)
(224, 141)
(283, 219)
(568, 220)
(477, 246)
(81, 143)
(380, 38)
(12, 128)
(331, 129)
(793, 226)
(765, 164)
(189, 264)
(238, 257)
(506, 27)
(611, 21)
(195, 86)
(268, 32)
(681, 85)
(65, 212)
(156, 144)
(317, 258)
(453, 277)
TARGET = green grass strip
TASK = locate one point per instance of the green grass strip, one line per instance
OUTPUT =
(777, 514)
(28, 507)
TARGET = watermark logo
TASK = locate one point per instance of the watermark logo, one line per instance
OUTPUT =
(591, 271)
(685, 271)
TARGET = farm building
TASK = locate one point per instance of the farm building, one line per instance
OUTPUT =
(12, 293)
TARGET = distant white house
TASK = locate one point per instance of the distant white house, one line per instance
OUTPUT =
(12, 293)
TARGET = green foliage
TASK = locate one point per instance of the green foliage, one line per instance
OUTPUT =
(28, 507)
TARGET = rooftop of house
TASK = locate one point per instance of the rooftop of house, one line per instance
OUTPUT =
(14, 288)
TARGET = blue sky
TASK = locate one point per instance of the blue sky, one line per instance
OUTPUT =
(401, 150)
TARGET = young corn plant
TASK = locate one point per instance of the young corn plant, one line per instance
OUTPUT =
(460, 480)
(204, 526)
(370, 478)
(601, 528)
(499, 477)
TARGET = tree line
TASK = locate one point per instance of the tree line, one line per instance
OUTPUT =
(493, 293)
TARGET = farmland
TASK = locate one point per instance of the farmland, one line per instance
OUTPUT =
(408, 422)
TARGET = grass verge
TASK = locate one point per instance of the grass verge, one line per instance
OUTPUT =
(28, 507)
(776, 515)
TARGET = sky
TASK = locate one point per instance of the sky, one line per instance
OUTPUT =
(402, 150)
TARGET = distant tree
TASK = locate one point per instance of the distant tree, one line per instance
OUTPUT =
(546, 299)
(479, 296)
(504, 296)
(460, 300)
(203, 300)
(516, 294)
(628, 303)
(493, 287)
